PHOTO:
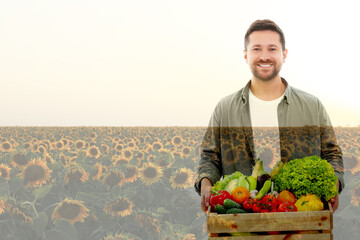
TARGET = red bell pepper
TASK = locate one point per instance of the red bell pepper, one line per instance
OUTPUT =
(218, 198)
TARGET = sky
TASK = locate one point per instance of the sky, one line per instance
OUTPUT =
(163, 63)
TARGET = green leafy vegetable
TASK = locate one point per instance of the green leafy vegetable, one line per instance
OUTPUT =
(221, 185)
(309, 175)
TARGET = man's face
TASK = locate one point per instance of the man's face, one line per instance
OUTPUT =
(264, 54)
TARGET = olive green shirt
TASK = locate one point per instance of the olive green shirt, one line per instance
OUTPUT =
(304, 129)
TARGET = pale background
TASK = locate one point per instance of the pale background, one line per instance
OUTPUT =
(163, 63)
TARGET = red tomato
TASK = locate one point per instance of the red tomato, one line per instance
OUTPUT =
(287, 207)
(256, 206)
(269, 202)
(247, 205)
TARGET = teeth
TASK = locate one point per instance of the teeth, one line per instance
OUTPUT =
(262, 65)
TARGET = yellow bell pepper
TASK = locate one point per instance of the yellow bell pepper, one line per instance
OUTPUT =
(309, 202)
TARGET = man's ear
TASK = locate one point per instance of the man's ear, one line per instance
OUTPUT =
(245, 56)
(285, 52)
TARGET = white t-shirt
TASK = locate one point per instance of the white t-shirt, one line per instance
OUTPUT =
(264, 121)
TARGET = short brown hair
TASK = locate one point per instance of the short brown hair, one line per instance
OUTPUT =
(263, 25)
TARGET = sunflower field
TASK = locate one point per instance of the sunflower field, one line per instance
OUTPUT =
(122, 183)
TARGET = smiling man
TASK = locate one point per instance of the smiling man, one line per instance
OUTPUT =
(267, 119)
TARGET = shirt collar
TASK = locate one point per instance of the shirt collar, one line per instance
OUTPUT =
(245, 93)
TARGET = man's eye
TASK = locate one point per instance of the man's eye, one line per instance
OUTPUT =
(273, 49)
(256, 49)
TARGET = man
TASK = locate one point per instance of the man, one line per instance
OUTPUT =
(296, 123)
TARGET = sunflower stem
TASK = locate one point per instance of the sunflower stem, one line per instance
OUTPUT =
(33, 207)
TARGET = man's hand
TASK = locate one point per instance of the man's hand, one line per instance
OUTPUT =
(335, 200)
(205, 193)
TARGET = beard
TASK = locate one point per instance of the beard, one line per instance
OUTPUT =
(268, 75)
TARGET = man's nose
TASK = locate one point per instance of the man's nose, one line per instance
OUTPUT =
(264, 57)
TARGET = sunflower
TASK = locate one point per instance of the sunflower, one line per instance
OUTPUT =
(147, 222)
(79, 144)
(186, 151)
(131, 173)
(268, 156)
(71, 210)
(64, 160)
(76, 174)
(285, 155)
(115, 140)
(41, 149)
(59, 145)
(128, 154)
(140, 155)
(27, 145)
(6, 146)
(121, 207)
(94, 152)
(132, 144)
(151, 158)
(17, 213)
(352, 164)
(2, 206)
(104, 147)
(148, 148)
(157, 146)
(355, 195)
(14, 143)
(113, 178)
(5, 171)
(93, 135)
(182, 178)
(65, 141)
(98, 172)
(150, 173)
(231, 156)
(119, 147)
(176, 140)
(148, 138)
(48, 158)
(165, 159)
(119, 160)
(35, 173)
(118, 236)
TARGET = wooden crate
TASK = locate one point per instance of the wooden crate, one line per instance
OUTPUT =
(312, 225)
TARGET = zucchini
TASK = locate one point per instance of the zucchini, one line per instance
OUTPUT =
(236, 210)
(229, 203)
(220, 209)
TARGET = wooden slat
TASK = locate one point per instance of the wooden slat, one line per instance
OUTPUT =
(260, 222)
(326, 236)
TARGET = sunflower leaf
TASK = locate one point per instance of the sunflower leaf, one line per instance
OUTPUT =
(42, 191)
(4, 187)
(40, 224)
(65, 227)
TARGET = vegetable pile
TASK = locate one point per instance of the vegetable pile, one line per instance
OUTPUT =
(309, 175)
(303, 185)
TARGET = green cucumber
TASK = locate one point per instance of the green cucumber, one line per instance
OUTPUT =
(228, 203)
(220, 209)
(236, 210)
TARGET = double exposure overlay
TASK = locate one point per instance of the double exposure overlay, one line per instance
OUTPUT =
(138, 182)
